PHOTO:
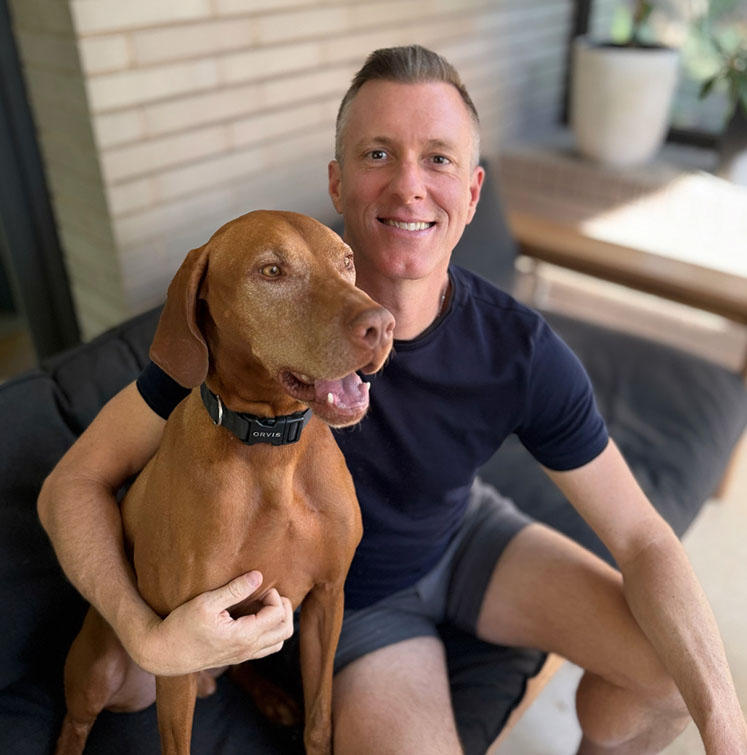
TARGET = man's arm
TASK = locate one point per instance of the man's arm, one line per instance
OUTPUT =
(662, 591)
(78, 509)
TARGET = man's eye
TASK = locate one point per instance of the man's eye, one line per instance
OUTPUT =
(271, 271)
(377, 154)
(441, 160)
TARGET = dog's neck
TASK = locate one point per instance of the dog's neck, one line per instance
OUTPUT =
(243, 383)
(247, 388)
(239, 378)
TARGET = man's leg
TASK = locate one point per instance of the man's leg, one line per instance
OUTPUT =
(548, 592)
(395, 700)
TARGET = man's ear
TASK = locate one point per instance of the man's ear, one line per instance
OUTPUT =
(179, 347)
(475, 187)
(334, 174)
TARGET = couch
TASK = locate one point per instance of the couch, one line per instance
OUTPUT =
(676, 418)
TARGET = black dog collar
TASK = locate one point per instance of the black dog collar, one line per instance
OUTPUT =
(250, 429)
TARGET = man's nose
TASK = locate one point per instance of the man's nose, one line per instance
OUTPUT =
(408, 182)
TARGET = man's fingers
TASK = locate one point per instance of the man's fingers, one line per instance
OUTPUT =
(273, 622)
(268, 651)
(272, 598)
(235, 591)
(288, 613)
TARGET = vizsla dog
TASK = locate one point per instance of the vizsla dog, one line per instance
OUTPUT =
(266, 326)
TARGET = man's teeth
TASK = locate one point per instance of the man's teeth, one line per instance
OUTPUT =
(408, 226)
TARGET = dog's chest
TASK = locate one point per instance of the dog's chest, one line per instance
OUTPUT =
(196, 525)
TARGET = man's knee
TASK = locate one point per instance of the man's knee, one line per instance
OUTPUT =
(637, 715)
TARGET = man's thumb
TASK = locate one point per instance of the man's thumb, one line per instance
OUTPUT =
(237, 589)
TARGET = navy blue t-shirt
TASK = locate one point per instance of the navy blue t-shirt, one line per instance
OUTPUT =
(440, 408)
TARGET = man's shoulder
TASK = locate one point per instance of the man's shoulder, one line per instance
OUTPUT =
(491, 301)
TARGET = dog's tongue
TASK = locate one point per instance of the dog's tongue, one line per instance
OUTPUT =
(345, 392)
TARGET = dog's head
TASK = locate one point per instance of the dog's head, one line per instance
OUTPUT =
(268, 311)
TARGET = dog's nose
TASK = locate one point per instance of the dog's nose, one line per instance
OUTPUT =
(373, 328)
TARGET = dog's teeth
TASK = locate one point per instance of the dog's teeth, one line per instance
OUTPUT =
(366, 386)
(330, 399)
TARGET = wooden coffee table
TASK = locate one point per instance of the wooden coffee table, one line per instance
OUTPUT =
(665, 229)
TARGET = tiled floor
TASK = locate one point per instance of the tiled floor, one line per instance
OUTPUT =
(716, 542)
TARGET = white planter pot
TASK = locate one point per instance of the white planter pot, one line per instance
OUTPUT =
(620, 100)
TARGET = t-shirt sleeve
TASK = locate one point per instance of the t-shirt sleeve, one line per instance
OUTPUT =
(560, 426)
(160, 391)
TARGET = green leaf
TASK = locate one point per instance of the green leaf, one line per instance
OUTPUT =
(706, 86)
(717, 44)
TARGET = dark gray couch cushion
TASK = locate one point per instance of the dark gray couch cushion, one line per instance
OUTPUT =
(38, 602)
(226, 723)
(675, 416)
(90, 375)
(43, 412)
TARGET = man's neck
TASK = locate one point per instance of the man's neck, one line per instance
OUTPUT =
(415, 304)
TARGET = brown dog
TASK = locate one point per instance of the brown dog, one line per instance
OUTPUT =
(267, 316)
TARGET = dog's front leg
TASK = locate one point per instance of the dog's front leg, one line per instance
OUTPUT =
(321, 619)
(175, 702)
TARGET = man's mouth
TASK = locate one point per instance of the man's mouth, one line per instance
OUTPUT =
(418, 225)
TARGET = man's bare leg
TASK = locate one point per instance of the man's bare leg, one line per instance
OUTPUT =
(395, 700)
(548, 592)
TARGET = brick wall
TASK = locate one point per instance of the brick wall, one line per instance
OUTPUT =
(161, 119)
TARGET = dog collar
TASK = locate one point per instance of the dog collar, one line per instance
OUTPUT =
(251, 429)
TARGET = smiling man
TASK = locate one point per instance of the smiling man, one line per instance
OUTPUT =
(425, 149)
(438, 545)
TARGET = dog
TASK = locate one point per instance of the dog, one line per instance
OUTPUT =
(265, 325)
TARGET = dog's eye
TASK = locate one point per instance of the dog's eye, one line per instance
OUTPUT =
(349, 262)
(271, 271)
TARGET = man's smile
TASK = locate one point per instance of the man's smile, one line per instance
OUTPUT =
(417, 225)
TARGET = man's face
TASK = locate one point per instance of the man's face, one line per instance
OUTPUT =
(407, 186)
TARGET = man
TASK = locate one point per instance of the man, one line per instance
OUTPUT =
(405, 178)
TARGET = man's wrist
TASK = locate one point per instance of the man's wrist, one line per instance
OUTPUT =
(726, 734)
(134, 623)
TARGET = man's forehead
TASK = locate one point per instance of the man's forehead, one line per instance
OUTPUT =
(402, 92)
(378, 106)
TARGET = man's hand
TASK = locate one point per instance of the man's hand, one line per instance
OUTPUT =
(201, 634)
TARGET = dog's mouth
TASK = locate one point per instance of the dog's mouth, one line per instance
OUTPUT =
(338, 402)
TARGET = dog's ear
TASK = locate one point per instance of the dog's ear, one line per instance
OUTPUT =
(179, 347)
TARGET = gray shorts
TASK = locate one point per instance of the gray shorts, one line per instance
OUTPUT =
(451, 592)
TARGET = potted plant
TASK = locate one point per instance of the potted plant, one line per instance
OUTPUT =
(621, 94)
(732, 74)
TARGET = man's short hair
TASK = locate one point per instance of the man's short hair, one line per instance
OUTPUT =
(411, 64)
